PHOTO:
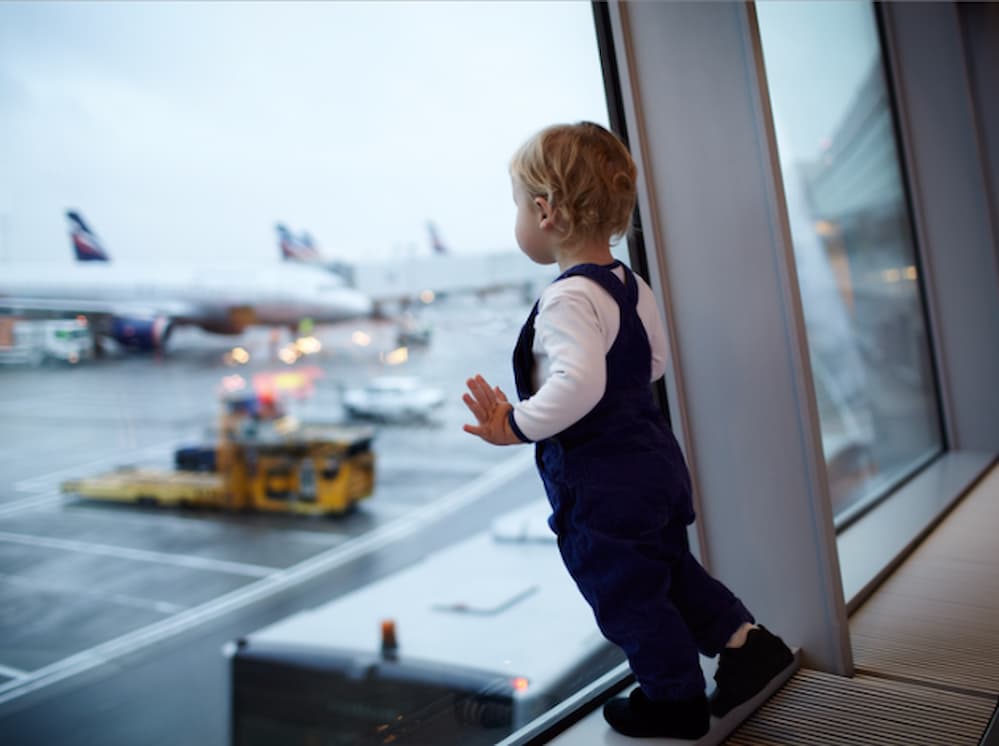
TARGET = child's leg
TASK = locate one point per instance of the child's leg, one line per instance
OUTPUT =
(627, 584)
(713, 614)
(709, 609)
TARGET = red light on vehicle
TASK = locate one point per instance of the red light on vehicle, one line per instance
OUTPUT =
(389, 641)
(519, 684)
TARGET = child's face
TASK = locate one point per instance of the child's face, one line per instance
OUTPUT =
(533, 227)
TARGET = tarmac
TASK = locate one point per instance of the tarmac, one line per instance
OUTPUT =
(113, 617)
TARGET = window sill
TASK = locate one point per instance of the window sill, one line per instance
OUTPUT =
(872, 547)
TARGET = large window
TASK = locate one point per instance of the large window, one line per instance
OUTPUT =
(856, 261)
(195, 144)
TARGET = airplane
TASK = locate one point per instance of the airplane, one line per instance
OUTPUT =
(139, 305)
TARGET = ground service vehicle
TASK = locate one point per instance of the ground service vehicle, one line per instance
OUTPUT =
(266, 463)
(463, 647)
(33, 341)
(393, 398)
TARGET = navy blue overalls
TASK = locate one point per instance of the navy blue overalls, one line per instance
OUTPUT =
(621, 503)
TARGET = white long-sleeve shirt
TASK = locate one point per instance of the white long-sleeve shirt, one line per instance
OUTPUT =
(576, 324)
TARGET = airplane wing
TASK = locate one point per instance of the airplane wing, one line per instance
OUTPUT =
(95, 306)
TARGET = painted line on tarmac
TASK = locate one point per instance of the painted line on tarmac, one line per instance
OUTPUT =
(13, 673)
(141, 555)
(387, 508)
(121, 599)
(45, 481)
(200, 520)
(30, 503)
(366, 544)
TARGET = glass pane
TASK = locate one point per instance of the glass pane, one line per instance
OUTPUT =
(249, 168)
(855, 256)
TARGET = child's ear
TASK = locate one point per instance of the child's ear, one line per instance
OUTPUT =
(545, 212)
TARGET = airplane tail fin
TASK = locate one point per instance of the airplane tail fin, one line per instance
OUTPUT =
(309, 244)
(296, 248)
(86, 245)
(438, 245)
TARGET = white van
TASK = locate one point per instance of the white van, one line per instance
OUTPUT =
(33, 341)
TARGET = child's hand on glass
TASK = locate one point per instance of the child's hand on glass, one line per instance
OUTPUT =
(491, 409)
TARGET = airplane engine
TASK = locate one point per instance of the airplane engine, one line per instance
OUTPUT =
(223, 327)
(140, 333)
(235, 321)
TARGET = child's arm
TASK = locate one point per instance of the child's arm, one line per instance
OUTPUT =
(574, 340)
(492, 410)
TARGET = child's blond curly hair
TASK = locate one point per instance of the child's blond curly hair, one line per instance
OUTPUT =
(587, 176)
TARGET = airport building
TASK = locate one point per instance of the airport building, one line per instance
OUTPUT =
(818, 217)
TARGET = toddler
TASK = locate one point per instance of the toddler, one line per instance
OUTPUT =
(613, 472)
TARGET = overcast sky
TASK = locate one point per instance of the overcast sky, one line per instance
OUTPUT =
(185, 130)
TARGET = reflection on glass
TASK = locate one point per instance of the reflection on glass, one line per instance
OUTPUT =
(853, 248)
(228, 171)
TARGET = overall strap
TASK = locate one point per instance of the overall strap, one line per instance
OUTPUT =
(625, 293)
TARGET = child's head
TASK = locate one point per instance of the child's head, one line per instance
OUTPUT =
(586, 175)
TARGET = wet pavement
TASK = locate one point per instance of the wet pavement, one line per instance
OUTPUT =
(140, 599)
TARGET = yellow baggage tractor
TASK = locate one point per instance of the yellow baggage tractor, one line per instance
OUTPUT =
(303, 469)
(313, 469)
(150, 486)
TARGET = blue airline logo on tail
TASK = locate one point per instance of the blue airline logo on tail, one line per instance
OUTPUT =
(298, 248)
(87, 246)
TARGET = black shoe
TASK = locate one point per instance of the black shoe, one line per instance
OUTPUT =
(640, 717)
(744, 672)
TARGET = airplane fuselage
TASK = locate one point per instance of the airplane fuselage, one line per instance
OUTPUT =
(270, 294)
